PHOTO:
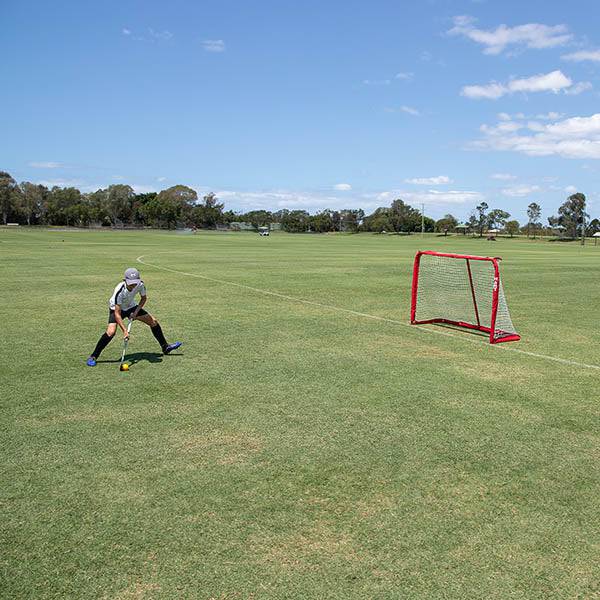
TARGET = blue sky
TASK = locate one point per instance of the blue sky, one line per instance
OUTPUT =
(286, 104)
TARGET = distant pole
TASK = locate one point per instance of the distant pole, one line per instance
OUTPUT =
(422, 220)
(583, 227)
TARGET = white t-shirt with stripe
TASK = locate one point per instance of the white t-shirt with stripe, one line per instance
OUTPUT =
(125, 298)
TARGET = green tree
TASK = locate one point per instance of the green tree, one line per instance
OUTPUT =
(497, 218)
(473, 223)
(257, 218)
(7, 195)
(98, 209)
(293, 221)
(534, 212)
(120, 203)
(173, 206)
(482, 221)
(572, 215)
(350, 219)
(403, 217)
(378, 221)
(31, 201)
(553, 223)
(445, 224)
(209, 213)
(593, 226)
(140, 208)
(429, 225)
(322, 222)
(512, 227)
(59, 206)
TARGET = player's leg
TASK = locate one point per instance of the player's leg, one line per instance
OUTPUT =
(157, 331)
(104, 340)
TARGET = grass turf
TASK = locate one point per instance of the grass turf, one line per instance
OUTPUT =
(293, 450)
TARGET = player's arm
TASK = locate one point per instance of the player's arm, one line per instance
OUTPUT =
(119, 320)
(142, 301)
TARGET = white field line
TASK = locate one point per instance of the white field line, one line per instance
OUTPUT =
(556, 359)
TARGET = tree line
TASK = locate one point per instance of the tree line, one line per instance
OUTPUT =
(179, 206)
(571, 222)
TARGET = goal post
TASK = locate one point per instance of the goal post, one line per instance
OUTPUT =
(461, 290)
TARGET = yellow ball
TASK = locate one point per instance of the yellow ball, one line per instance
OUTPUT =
(125, 367)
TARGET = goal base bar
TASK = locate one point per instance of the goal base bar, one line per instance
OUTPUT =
(503, 336)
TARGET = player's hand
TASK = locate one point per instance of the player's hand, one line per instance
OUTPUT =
(134, 316)
(126, 335)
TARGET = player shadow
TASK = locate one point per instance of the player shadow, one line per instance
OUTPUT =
(136, 357)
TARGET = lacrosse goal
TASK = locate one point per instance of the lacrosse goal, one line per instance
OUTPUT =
(461, 290)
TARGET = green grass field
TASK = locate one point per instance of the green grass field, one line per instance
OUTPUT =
(293, 450)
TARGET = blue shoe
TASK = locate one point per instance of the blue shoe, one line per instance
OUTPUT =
(168, 349)
(91, 362)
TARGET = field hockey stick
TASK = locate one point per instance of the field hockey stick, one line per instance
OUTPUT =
(125, 342)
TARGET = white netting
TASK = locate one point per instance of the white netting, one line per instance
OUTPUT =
(445, 292)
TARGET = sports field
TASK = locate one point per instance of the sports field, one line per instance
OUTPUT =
(295, 449)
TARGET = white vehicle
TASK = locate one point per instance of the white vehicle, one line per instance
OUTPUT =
(263, 231)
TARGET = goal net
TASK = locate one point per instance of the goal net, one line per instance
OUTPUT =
(461, 290)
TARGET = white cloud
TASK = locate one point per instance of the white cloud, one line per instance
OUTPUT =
(126, 31)
(50, 183)
(410, 110)
(518, 191)
(550, 116)
(582, 55)
(46, 165)
(139, 188)
(377, 81)
(571, 189)
(278, 199)
(430, 197)
(503, 176)
(530, 35)
(491, 91)
(502, 127)
(342, 187)
(582, 86)
(554, 81)
(160, 35)
(161, 179)
(406, 76)
(213, 45)
(576, 137)
(439, 180)
(435, 197)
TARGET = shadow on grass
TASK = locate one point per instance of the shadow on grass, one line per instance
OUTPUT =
(136, 357)
(462, 329)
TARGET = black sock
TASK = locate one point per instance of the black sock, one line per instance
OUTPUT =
(158, 334)
(102, 343)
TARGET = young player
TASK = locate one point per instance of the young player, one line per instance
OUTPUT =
(122, 305)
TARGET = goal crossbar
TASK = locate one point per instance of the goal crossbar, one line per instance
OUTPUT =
(461, 290)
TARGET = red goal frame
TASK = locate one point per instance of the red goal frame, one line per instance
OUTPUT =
(509, 337)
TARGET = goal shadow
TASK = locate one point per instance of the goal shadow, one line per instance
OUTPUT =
(475, 332)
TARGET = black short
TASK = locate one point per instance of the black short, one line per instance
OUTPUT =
(125, 313)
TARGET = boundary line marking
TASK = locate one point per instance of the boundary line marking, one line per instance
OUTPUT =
(563, 361)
